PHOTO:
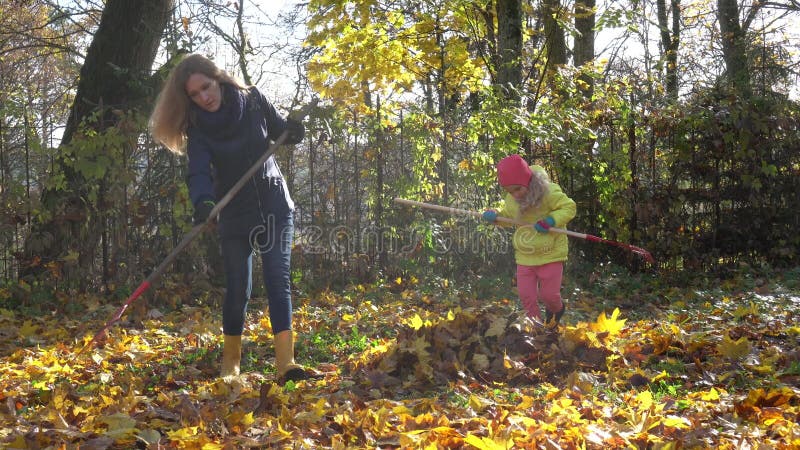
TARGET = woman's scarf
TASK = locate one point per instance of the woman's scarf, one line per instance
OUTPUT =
(223, 122)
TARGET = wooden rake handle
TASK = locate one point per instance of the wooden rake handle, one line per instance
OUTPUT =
(478, 214)
(638, 250)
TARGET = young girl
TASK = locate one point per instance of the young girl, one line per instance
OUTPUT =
(540, 255)
(224, 127)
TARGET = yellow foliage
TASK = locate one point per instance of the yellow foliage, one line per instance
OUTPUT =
(734, 349)
(28, 329)
(435, 381)
(416, 322)
(119, 426)
(485, 443)
(676, 422)
(611, 325)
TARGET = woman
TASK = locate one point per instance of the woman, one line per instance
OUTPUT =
(224, 127)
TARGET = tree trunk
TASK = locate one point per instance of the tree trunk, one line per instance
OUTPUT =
(509, 71)
(669, 43)
(555, 41)
(113, 80)
(583, 51)
(733, 46)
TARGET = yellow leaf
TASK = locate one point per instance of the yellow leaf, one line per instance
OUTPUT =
(734, 349)
(710, 396)
(478, 403)
(28, 329)
(348, 317)
(247, 419)
(762, 369)
(743, 311)
(312, 415)
(611, 325)
(525, 403)
(416, 322)
(660, 376)
(485, 443)
(119, 425)
(401, 409)
(676, 422)
(645, 399)
(184, 434)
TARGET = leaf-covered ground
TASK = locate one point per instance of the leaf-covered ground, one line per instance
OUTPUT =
(638, 364)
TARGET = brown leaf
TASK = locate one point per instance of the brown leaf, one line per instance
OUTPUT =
(190, 415)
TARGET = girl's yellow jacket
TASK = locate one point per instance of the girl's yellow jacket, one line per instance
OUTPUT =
(532, 248)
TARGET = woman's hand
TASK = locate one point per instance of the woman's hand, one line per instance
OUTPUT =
(202, 211)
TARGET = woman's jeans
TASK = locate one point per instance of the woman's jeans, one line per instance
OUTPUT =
(273, 241)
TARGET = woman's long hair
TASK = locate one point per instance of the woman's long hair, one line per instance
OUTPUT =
(537, 190)
(170, 117)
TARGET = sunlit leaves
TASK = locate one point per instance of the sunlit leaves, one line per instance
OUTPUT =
(119, 426)
(734, 349)
(485, 443)
(367, 47)
(473, 376)
(611, 325)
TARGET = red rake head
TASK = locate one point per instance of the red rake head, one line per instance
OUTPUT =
(638, 250)
(644, 253)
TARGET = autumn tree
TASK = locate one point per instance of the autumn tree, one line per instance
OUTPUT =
(743, 31)
(112, 86)
(37, 47)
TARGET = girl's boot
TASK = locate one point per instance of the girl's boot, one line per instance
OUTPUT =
(551, 320)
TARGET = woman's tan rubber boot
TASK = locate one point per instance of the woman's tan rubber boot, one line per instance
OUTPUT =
(231, 356)
(285, 366)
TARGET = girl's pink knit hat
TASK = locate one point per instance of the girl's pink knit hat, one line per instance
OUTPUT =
(513, 170)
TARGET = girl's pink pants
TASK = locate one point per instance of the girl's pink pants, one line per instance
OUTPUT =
(540, 283)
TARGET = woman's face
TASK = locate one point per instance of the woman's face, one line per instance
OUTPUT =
(517, 191)
(204, 92)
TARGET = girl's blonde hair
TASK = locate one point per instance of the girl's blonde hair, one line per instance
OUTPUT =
(170, 118)
(537, 190)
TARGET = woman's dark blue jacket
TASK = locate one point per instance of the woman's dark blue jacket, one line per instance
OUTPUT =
(222, 149)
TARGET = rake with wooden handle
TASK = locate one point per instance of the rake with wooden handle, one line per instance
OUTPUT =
(588, 237)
